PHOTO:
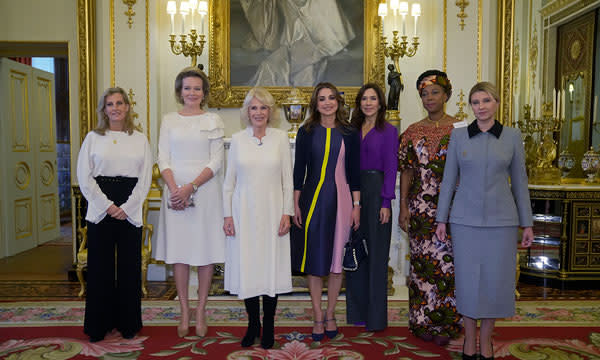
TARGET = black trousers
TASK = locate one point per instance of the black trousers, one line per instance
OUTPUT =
(113, 292)
(366, 288)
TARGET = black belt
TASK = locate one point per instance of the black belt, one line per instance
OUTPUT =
(372, 171)
(115, 179)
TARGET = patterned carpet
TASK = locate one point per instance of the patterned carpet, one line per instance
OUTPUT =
(561, 330)
(290, 312)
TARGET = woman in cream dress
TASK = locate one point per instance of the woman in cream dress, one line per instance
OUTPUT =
(258, 203)
(190, 156)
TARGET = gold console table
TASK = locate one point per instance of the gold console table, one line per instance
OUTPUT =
(567, 234)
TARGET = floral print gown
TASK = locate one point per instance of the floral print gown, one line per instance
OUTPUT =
(432, 305)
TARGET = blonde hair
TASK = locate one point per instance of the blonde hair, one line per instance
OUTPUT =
(264, 96)
(192, 71)
(487, 87)
(103, 122)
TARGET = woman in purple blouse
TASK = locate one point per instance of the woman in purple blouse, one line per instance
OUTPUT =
(366, 288)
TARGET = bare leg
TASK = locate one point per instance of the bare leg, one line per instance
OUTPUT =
(315, 286)
(205, 274)
(182, 278)
(470, 347)
(485, 341)
(334, 284)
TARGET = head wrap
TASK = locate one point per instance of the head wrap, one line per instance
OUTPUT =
(441, 80)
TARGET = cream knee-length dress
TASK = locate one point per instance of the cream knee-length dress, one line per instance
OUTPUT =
(187, 145)
(257, 192)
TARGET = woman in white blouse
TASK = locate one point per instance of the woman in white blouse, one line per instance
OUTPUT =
(190, 156)
(114, 170)
(258, 203)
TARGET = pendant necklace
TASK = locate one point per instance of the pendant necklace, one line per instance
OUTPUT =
(437, 122)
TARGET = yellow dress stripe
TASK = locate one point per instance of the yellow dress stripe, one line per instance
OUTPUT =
(316, 195)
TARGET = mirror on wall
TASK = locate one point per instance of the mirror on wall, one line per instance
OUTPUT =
(555, 45)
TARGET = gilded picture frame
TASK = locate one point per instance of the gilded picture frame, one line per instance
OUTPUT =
(225, 95)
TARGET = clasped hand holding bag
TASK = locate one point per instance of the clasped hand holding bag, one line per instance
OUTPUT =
(355, 251)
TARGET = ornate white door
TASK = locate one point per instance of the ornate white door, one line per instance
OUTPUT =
(48, 217)
(29, 190)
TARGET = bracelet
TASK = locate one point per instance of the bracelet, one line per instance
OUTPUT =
(356, 203)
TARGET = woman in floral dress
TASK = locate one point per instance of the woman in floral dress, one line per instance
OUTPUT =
(421, 159)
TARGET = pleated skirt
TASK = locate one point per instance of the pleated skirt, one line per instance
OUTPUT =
(485, 260)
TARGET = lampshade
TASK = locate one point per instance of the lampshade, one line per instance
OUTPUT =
(192, 5)
(403, 10)
(184, 8)
(203, 7)
(382, 11)
(394, 4)
(416, 9)
(172, 7)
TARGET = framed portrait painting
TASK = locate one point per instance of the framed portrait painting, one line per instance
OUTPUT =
(280, 44)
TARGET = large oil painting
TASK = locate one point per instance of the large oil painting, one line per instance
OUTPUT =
(281, 44)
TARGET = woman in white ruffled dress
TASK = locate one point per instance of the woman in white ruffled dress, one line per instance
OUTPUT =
(190, 157)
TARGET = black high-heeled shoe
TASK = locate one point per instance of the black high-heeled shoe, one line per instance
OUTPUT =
(331, 333)
(315, 336)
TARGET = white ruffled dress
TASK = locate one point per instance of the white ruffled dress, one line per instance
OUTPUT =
(187, 145)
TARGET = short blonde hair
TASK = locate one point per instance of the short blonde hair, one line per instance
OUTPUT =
(103, 122)
(487, 87)
(264, 96)
(192, 71)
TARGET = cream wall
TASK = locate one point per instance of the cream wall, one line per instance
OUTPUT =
(466, 51)
(52, 21)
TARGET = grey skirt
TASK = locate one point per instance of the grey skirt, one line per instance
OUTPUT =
(484, 261)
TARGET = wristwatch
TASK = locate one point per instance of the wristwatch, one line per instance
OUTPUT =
(356, 203)
(194, 187)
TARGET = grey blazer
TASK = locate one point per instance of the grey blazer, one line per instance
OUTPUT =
(481, 163)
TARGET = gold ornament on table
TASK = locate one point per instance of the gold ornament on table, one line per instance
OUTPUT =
(398, 48)
(294, 109)
(546, 121)
(195, 46)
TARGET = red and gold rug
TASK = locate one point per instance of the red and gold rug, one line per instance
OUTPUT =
(291, 343)
(562, 330)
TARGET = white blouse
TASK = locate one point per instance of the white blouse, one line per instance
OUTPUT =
(114, 154)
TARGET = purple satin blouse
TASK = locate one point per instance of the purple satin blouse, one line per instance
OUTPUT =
(379, 151)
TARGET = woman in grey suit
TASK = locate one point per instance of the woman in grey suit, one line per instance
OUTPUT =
(486, 212)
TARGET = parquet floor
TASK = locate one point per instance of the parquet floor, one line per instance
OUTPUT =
(42, 273)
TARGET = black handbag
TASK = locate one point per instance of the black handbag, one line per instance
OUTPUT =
(355, 251)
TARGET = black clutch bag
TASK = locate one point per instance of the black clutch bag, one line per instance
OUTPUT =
(355, 251)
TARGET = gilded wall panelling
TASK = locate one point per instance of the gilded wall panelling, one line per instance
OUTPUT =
(19, 112)
(461, 15)
(45, 115)
(22, 175)
(464, 54)
(445, 55)
(129, 13)
(23, 218)
(130, 52)
(47, 211)
(47, 173)
(86, 34)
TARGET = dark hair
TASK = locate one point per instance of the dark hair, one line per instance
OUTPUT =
(441, 80)
(341, 115)
(191, 71)
(358, 117)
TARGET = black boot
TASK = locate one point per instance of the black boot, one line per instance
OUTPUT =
(253, 332)
(269, 307)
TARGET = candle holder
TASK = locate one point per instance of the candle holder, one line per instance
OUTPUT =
(548, 128)
(193, 48)
(399, 49)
